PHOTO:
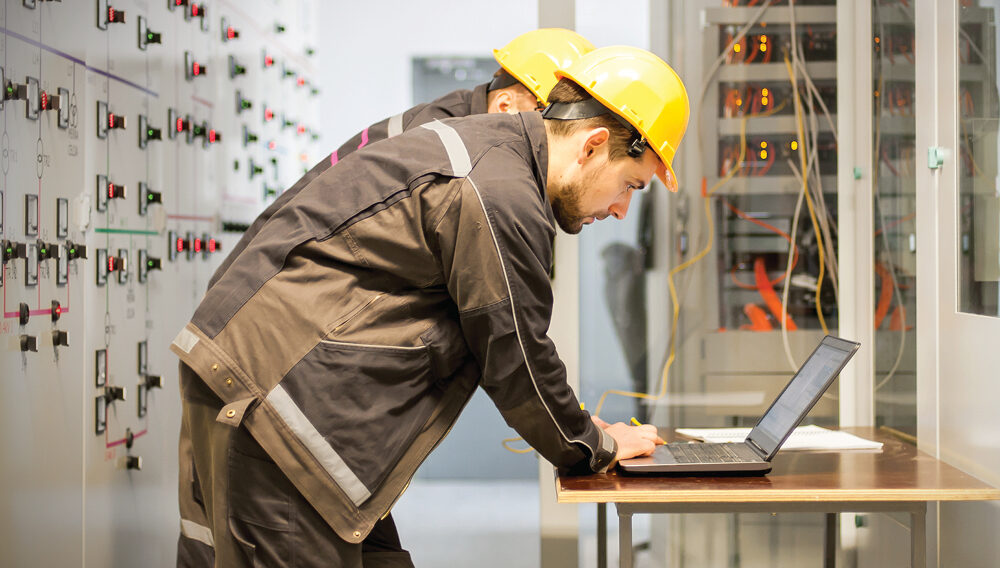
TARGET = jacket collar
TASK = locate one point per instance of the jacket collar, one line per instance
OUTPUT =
(534, 127)
(477, 103)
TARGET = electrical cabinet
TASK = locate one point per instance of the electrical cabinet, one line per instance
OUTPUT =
(139, 138)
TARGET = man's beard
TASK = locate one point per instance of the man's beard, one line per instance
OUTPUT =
(566, 206)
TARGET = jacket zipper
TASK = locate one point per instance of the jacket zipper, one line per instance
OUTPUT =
(373, 346)
(356, 313)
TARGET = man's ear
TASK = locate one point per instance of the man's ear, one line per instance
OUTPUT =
(597, 138)
(502, 102)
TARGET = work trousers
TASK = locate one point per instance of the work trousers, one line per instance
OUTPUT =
(238, 510)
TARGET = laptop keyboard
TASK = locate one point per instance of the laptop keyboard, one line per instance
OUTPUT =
(708, 453)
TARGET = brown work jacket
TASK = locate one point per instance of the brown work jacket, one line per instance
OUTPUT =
(455, 104)
(353, 328)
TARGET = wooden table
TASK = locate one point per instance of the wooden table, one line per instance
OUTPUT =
(897, 478)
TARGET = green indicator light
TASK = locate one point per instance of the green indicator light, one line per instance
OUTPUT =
(43, 251)
(149, 132)
(149, 263)
(72, 251)
(149, 197)
(149, 35)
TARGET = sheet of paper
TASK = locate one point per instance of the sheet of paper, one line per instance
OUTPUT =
(803, 438)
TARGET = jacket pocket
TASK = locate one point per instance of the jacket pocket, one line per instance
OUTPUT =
(446, 347)
(368, 402)
(260, 506)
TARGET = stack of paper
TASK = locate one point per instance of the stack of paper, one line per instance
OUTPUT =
(802, 438)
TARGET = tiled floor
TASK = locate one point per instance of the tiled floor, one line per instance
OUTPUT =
(490, 524)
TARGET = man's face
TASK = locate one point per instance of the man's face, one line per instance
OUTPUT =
(596, 188)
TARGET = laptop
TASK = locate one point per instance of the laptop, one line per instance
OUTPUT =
(753, 455)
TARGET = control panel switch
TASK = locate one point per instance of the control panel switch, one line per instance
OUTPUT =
(113, 393)
(60, 338)
(29, 343)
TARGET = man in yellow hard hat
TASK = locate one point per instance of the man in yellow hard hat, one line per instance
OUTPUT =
(526, 75)
(339, 348)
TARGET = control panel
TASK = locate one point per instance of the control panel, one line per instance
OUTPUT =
(138, 138)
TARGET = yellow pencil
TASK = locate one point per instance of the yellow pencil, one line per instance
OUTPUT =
(635, 422)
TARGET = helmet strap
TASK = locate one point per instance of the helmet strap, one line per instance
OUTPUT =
(592, 108)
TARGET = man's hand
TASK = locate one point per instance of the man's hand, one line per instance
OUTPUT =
(633, 441)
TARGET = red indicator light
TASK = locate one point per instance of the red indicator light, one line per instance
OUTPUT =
(195, 68)
(180, 244)
(301, 129)
(111, 14)
(45, 100)
(58, 310)
(301, 81)
(272, 145)
(268, 61)
(180, 125)
(111, 264)
(230, 33)
(195, 9)
(211, 245)
(111, 191)
(197, 245)
(211, 136)
(268, 114)
(111, 120)
(303, 157)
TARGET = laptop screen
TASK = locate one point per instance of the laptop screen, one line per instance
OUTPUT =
(801, 393)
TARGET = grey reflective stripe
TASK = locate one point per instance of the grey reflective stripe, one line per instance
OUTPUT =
(186, 340)
(318, 446)
(194, 531)
(457, 152)
(607, 442)
(517, 329)
(395, 125)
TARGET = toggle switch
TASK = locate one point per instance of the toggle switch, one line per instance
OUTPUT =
(133, 462)
(115, 16)
(60, 338)
(107, 190)
(286, 72)
(176, 123)
(268, 60)
(248, 137)
(29, 343)
(147, 132)
(152, 382)
(242, 104)
(75, 251)
(192, 68)
(23, 314)
(209, 245)
(147, 36)
(254, 169)
(108, 120)
(270, 192)
(279, 28)
(50, 102)
(113, 393)
(268, 114)
(46, 250)
(12, 250)
(228, 32)
(56, 310)
(171, 4)
(207, 134)
(147, 197)
(147, 263)
(235, 68)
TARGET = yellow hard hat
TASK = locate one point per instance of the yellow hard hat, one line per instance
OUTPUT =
(533, 57)
(642, 89)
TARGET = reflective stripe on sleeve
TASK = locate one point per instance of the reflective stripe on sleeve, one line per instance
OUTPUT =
(395, 125)
(186, 340)
(457, 152)
(194, 531)
(328, 458)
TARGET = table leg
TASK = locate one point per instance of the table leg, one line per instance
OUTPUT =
(830, 541)
(602, 535)
(918, 537)
(624, 539)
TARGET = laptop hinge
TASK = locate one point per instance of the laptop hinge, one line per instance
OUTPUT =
(753, 445)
